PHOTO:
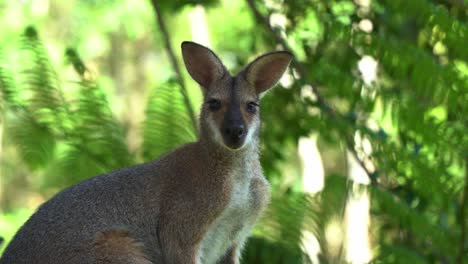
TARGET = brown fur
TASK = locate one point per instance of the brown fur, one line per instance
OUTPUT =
(196, 204)
(118, 246)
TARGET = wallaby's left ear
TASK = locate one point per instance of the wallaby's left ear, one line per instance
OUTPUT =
(266, 70)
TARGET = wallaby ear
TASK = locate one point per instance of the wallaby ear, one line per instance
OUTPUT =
(266, 70)
(202, 64)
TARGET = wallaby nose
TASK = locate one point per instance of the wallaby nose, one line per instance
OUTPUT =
(233, 129)
(235, 132)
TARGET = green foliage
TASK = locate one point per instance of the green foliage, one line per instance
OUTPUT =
(11, 222)
(95, 124)
(9, 95)
(81, 135)
(419, 48)
(259, 251)
(398, 254)
(172, 6)
(166, 121)
(413, 114)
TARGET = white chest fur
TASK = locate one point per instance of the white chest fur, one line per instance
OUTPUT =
(233, 224)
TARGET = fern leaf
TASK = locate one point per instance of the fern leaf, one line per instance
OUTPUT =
(40, 84)
(96, 130)
(8, 90)
(167, 124)
(96, 138)
(35, 142)
(37, 103)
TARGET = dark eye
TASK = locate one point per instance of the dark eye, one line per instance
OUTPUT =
(214, 105)
(252, 107)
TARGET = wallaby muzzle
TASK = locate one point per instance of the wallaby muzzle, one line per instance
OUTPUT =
(234, 129)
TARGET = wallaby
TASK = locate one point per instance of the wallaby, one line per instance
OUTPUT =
(197, 204)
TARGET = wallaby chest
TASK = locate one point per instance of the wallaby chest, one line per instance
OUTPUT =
(237, 218)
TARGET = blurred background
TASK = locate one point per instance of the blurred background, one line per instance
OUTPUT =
(364, 140)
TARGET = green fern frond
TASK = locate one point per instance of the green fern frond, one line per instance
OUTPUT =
(8, 90)
(74, 59)
(36, 103)
(96, 135)
(35, 142)
(40, 86)
(97, 131)
(287, 217)
(73, 164)
(283, 226)
(167, 124)
(292, 216)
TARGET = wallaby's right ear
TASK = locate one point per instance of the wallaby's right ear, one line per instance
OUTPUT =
(202, 64)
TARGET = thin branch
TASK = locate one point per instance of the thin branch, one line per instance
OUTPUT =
(173, 59)
(301, 69)
(462, 217)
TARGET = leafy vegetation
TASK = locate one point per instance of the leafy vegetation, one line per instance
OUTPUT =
(383, 82)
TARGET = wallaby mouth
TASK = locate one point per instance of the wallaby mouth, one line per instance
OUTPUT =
(234, 145)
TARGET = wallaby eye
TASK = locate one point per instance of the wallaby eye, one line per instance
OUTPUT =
(214, 105)
(252, 107)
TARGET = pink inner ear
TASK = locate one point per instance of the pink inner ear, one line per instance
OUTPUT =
(205, 77)
(260, 83)
(202, 64)
(268, 71)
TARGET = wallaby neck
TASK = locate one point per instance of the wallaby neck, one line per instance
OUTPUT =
(216, 154)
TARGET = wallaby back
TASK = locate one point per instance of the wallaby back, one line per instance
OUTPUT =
(196, 204)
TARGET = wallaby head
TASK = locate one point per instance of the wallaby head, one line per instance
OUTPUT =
(230, 112)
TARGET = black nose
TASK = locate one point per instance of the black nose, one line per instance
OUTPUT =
(235, 132)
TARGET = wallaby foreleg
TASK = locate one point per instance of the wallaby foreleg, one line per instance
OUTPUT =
(118, 246)
(231, 256)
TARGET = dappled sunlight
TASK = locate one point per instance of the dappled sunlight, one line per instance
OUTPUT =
(199, 26)
(312, 167)
(312, 182)
(334, 235)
